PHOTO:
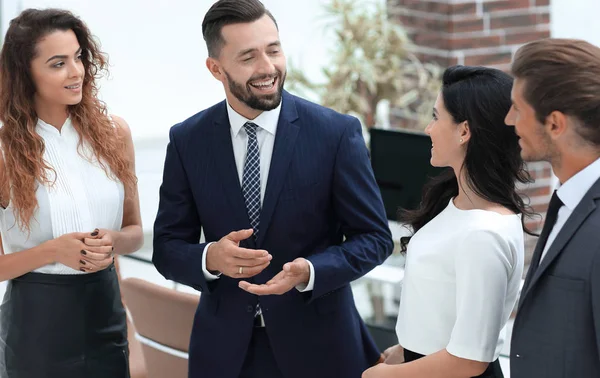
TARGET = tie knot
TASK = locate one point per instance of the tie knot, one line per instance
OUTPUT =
(250, 128)
(553, 207)
(555, 202)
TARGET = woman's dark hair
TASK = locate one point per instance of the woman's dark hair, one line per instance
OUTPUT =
(493, 163)
(227, 12)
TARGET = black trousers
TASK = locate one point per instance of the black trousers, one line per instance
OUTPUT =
(493, 370)
(64, 326)
(259, 361)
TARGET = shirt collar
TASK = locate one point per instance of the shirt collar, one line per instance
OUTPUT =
(572, 191)
(42, 125)
(267, 120)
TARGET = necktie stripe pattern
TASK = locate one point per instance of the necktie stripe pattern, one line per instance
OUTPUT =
(251, 178)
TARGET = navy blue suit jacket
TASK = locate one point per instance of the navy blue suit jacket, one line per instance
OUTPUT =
(321, 203)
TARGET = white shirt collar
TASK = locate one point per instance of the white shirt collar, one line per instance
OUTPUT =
(267, 120)
(42, 125)
(572, 191)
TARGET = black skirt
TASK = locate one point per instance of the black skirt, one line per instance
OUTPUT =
(493, 370)
(67, 326)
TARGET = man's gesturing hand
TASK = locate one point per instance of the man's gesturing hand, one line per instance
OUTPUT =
(227, 257)
(293, 274)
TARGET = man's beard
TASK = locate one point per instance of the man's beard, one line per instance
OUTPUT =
(258, 102)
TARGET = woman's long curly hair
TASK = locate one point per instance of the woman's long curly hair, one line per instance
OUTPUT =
(23, 148)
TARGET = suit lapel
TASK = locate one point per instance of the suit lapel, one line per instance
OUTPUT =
(283, 149)
(226, 169)
(579, 215)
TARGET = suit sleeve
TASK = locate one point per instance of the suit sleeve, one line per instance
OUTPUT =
(595, 293)
(177, 253)
(359, 209)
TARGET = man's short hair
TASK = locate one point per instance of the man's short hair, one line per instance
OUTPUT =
(562, 75)
(227, 12)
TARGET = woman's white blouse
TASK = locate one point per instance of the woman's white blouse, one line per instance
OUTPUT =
(462, 276)
(81, 199)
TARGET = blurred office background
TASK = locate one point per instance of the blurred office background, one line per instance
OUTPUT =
(158, 78)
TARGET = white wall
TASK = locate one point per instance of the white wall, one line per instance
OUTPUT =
(157, 54)
(575, 19)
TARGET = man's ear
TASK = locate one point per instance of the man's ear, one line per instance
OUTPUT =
(215, 68)
(557, 123)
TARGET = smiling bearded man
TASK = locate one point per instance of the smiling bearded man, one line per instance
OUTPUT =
(291, 213)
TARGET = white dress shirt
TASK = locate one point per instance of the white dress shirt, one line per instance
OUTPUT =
(265, 135)
(571, 193)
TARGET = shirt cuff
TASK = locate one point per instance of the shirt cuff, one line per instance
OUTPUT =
(311, 280)
(208, 275)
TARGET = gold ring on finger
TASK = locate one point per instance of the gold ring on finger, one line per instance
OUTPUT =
(241, 270)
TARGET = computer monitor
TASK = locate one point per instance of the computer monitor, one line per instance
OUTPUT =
(401, 163)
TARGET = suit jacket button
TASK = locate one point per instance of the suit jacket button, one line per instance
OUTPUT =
(518, 355)
(250, 308)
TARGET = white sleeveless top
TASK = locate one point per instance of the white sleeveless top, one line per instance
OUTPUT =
(81, 199)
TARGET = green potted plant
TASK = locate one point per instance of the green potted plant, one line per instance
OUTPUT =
(372, 65)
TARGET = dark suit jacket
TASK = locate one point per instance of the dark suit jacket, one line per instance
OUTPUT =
(320, 190)
(557, 329)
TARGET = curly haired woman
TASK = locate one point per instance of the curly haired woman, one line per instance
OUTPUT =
(68, 203)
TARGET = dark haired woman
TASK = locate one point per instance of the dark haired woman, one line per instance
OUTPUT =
(68, 202)
(464, 261)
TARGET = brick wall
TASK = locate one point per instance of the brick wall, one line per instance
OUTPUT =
(471, 32)
(480, 32)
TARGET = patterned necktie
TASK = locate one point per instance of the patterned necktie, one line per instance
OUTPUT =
(251, 178)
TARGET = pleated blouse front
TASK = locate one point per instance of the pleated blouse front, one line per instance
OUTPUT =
(80, 198)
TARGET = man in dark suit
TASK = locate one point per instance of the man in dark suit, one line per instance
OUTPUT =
(288, 203)
(556, 112)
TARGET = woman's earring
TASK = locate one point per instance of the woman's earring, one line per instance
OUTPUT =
(461, 140)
